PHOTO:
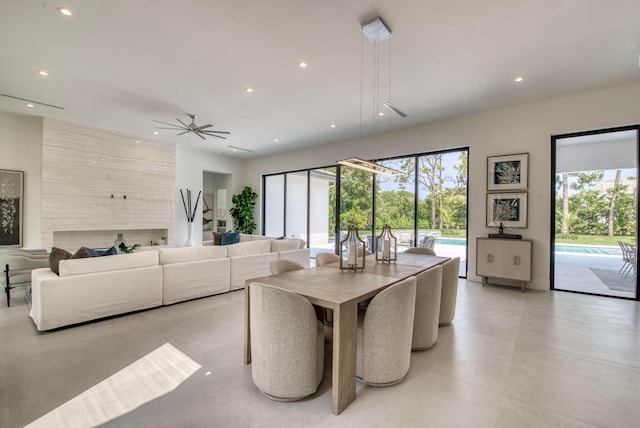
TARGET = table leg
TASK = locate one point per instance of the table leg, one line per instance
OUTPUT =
(247, 326)
(343, 376)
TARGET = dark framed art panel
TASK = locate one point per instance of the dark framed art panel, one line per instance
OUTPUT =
(509, 172)
(11, 206)
(510, 209)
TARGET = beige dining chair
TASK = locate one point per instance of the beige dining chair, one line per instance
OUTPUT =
(283, 265)
(427, 312)
(450, 273)
(287, 344)
(323, 259)
(384, 335)
(420, 250)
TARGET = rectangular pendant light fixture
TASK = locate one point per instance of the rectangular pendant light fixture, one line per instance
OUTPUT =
(370, 166)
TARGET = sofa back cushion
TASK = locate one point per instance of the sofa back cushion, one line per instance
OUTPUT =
(249, 248)
(105, 264)
(286, 244)
(191, 254)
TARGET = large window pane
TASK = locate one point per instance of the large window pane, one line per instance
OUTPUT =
(395, 202)
(296, 206)
(274, 205)
(356, 201)
(322, 218)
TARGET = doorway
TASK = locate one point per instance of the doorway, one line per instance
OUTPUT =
(595, 212)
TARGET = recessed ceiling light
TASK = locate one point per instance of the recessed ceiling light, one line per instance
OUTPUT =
(43, 72)
(29, 105)
(137, 142)
(64, 11)
(249, 90)
(381, 113)
(155, 132)
(333, 126)
(302, 64)
(518, 79)
(276, 140)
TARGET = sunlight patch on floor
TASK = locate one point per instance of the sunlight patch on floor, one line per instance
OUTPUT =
(151, 377)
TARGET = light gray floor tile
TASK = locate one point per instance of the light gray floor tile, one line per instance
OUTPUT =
(510, 359)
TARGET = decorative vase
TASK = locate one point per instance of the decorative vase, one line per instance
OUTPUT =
(190, 242)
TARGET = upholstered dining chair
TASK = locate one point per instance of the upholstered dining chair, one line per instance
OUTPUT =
(283, 265)
(420, 250)
(427, 313)
(384, 335)
(323, 259)
(287, 344)
(450, 273)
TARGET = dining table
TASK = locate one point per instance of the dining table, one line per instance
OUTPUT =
(330, 287)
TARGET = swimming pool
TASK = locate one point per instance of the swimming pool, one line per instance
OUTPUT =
(588, 249)
(559, 248)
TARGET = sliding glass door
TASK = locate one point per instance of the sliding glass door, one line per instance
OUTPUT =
(595, 212)
(426, 207)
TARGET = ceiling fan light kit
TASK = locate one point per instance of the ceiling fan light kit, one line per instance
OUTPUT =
(200, 131)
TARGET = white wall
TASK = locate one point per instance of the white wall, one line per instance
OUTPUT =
(21, 150)
(521, 129)
(190, 166)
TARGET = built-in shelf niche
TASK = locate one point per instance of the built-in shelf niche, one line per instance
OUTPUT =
(71, 240)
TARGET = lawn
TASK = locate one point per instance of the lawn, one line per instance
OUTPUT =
(594, 240)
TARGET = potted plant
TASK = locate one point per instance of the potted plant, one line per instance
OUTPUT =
(242, 211)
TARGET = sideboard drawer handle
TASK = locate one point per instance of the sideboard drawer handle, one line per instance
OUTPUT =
(516, 260)
(490, 258)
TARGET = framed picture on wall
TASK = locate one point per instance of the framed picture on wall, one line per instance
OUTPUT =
(508, 172)
(510, 209)
(11, 203)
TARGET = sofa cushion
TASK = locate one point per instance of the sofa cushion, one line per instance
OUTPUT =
(191, 254)
(105, 264)
(229, 238)
(249, 248)
(285, 244)
(58, 254)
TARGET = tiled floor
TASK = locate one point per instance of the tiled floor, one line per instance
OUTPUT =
(510, 359)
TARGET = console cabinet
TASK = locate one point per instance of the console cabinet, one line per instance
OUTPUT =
(504, 258)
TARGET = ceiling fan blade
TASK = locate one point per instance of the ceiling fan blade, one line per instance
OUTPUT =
(185, 132)
(185, 125)
(203, 126)
(217, 136)
(216, 132)
(164, 123)
(173, 129)
(198, 134)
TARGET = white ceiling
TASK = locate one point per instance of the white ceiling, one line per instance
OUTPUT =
(119, 64)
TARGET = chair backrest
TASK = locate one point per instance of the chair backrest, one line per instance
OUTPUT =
(450, 274)
(323, 259)
(427, 313)
(420, 250)
(283, 265)
(284, 343)
(387, 332)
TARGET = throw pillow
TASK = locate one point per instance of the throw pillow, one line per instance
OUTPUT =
(58, 254)
(100, 253)
(229, 238)
(217, 238)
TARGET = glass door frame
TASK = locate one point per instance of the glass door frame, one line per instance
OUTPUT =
(552, 218)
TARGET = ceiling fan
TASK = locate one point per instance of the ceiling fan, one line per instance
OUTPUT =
(200, 131)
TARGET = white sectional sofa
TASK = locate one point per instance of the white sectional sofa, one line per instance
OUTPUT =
(98, 287)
